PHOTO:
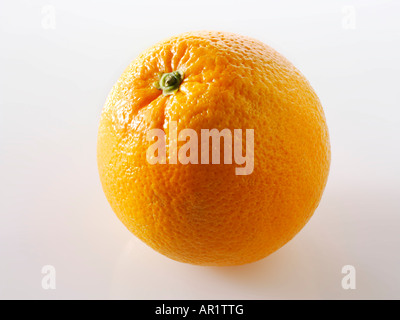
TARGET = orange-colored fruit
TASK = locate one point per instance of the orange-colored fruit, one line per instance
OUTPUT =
(204, 213)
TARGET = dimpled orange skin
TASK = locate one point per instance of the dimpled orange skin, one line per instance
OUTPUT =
(206, 214)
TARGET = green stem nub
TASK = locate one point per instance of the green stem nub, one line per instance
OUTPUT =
(169, 82)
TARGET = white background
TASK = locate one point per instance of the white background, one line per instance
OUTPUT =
(55, 73)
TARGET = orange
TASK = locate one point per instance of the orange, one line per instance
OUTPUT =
(205, 214)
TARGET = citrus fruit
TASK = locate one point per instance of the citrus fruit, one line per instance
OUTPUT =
(207, 214)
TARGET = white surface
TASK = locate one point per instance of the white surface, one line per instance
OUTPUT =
(53, 83)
